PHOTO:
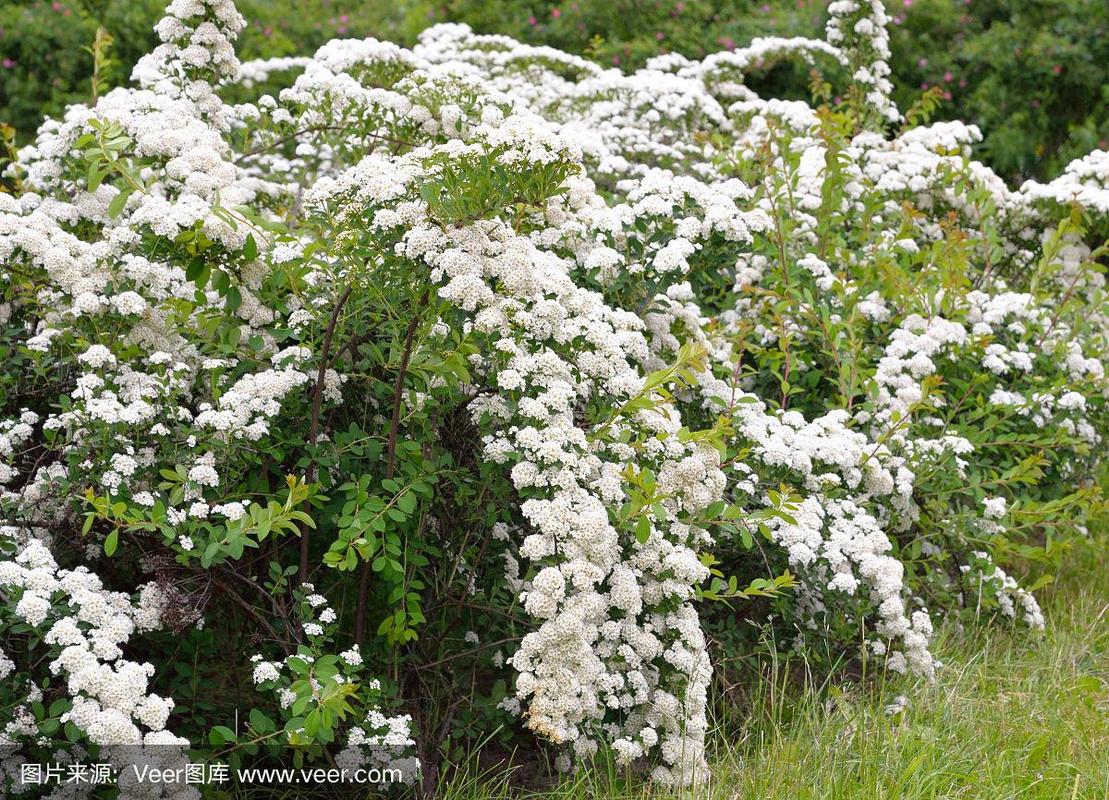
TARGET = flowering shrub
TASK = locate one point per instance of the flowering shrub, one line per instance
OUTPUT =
(1029, 73)
(471, 383)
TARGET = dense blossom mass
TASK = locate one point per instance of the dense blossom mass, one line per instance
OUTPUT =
(682, 332)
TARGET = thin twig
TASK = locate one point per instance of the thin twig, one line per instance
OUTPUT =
(390, 463)
(316, 129)
(239, 601)
(314, 424)
(464, 653)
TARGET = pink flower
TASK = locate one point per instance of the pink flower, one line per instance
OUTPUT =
(908, 3)
(948, 77)
(616, 60)
(924, 86)
(660, 36)
(7, 63)
(947, 95)
(962, 83)
(532, 21)
(922, 63)
(344, 18)
(1057, 69)
(555, 13)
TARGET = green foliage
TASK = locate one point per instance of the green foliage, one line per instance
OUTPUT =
(213, 544)
(371, 474)
(1031, 73)
(47, 49)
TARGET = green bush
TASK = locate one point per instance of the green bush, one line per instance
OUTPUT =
(44, 63)
(1032, 74)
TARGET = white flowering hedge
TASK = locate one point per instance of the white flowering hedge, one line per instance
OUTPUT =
(467, 386)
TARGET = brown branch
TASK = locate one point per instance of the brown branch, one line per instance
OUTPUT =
(316, 129)
(26, 524)
(474, 651)
(286, 139)
(1059, 309)
(239, 601)
(398, 392)
(314, 424)
(390, 463)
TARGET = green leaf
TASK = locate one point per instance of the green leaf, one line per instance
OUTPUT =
(260, 722)
(115, 208)
(209, 554)
(194, 268)
(94, 177)
(220, 734)
(112, 542)
(234, 300)
(407, 503)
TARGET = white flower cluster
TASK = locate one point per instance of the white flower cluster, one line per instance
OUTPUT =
(859, 27)
(1010, 597)
(149, 388)
(88, 625)
(617, 631)
(309, 676)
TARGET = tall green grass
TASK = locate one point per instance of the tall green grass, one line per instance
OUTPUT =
(1012, 715)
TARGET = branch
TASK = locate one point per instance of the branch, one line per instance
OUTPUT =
(315, 129)
(465, 653)
(27, 524)
(239, 601)
(314, 424)
(390, 462)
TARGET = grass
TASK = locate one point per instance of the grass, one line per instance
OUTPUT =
(1011, 715)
